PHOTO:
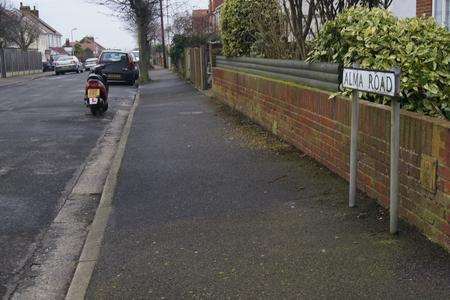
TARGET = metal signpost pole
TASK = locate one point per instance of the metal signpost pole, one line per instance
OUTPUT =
(381, 83)
(354, 149)
(395, 151)
(354, 146)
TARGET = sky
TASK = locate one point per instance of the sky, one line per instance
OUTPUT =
(93, 20)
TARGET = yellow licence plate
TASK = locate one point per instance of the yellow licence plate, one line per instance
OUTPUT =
(93, 93)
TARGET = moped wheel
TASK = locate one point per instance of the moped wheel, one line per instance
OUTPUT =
(94, 111)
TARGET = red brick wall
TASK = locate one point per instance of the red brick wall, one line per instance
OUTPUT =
(318, 126)
(424, 7)
(200, 21)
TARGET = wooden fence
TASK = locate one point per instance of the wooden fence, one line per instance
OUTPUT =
(198, 62)
(16, 62)
(196, 65)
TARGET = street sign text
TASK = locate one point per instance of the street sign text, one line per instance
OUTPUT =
(377, 82)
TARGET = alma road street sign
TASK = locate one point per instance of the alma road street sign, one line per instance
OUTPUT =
(385, 83)
(378, 82)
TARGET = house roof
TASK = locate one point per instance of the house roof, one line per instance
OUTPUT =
(42, 23)
(89, 42)
(58, 50)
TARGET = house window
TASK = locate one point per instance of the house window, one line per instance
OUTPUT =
(441, 12)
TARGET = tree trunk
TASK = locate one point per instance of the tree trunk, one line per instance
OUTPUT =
(144, 52)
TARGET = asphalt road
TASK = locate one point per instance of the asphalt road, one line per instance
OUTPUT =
(46, 134)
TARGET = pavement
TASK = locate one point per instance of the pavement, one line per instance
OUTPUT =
(46, 135)
(209, 205)
(9, 81)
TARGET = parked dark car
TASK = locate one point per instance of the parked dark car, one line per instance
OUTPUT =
(118, 66)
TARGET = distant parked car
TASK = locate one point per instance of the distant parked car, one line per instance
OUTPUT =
(136, 58)
(136, 55)
(66, 63)
(90, 63)
(47, 66)
(118, 66)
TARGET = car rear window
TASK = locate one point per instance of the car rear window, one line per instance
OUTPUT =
(113, 56)
(65, 57)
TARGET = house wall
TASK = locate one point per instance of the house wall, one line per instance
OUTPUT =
(200, 20)
(43, 45)
(404, 8)
(424, 7)
(320, 127)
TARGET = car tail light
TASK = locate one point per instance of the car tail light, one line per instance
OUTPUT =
(130, 65)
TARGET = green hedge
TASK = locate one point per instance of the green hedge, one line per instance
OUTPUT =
(378, 40)
(248, 28)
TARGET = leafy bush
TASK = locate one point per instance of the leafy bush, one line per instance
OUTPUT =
(377, 40)
(181, 42)
(271, 36)
(251, 27)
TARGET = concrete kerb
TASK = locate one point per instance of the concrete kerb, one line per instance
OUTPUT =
(91, 248)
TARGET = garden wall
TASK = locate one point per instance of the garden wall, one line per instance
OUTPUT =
(320, 127)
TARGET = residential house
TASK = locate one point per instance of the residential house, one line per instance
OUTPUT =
(403, 8)
(439, 9)
(89, 42)
(48, 38)
(215, 7)
(90, 48)
(58, 51)
(200, 21)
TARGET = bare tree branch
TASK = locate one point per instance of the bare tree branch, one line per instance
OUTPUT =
(306, 17)
(8, 21)
(25, 33)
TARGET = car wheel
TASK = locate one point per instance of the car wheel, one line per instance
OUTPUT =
(57, 73)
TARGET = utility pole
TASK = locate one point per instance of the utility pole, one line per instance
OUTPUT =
(162, 33)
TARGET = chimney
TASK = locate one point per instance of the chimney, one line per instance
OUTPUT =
(25, 9)
(35, 12)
